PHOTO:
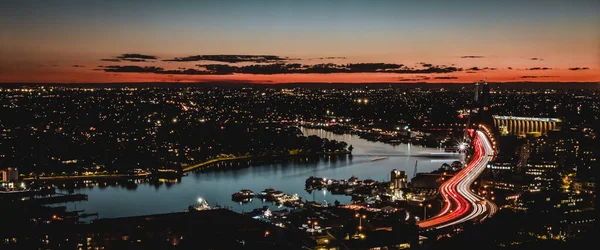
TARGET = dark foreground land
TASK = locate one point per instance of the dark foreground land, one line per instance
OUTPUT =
(211, 229)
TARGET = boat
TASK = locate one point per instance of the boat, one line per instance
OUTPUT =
(288, 198)
(265, 193)
(379, 158)
(259, 213)
(270, 194)
(275, 195)
(243, 194)
(201, 206)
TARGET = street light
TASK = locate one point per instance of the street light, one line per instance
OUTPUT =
(360, 217)
(312, 225)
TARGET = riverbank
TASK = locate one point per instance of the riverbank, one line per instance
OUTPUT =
(216, 160)
(85, 177)
(262, 157)
(388, 135)
(217, 181)
(185, 169)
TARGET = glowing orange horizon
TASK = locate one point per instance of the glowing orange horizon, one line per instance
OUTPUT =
(83, 76)
(509, 69)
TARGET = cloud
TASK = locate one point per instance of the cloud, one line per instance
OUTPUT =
(156, 70)
(373, 67)
(286, 68)
(217, 67)
(432, 69)
(578, 68)
(445, 77)
(230, 58)
(332, 57)
(324, 68)
(136, 56)
(415, 79)
(539, 68)
(510, 68)
(78, 66)
(132, 69)
(472, 56)
(479, 69)
(536, 59)
(136, 60)
(131, 57)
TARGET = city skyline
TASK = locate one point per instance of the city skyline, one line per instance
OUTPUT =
(308, 41)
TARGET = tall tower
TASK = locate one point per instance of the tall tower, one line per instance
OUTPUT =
(476, 98)
(485, 96)
(480, 109)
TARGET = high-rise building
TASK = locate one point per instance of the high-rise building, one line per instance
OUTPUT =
(9, 174)
(398, 179)
(485, 96)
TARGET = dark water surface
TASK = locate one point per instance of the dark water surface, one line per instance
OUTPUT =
(289, 176)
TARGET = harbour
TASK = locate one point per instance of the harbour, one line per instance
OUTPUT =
(217, 184)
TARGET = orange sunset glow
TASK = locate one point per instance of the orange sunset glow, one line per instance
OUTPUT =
(319, 42)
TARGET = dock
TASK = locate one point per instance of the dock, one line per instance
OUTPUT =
(61, 198)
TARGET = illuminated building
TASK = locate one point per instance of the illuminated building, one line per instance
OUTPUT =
(398, 179)
(10, 174)
(500, 166)
(565, 214)
(520, 126)
(540, 168)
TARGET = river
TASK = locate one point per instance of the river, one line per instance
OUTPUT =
(217, 186)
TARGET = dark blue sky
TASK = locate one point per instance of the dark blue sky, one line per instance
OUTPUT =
(564, 32)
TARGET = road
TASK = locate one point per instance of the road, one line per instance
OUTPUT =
(461, 204)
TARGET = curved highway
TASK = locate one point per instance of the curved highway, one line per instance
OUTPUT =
(461, 204)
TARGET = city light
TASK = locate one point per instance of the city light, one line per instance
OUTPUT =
(462, 147)
(462, 199)
(159, 144)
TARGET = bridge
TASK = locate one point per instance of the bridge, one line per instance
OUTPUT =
(520, 126)
(461, 204)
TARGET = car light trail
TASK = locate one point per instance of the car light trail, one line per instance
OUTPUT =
(461, 204)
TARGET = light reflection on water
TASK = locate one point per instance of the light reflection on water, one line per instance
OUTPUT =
(288, 176)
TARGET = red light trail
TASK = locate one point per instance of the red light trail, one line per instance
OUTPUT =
(461, 204)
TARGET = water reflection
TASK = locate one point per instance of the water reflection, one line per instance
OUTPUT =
(114, 198)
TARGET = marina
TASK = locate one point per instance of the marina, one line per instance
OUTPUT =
(269, 194)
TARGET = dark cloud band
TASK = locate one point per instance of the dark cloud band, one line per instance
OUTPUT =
(230, 58)
(131, 57)
(283, 68)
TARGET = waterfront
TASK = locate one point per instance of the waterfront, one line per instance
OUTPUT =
(289, 176)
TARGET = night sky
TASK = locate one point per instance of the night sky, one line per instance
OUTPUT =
(280, 41)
